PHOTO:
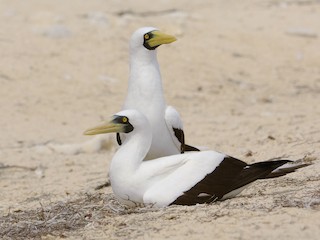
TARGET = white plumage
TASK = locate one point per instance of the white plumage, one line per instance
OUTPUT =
(145, 94)
(190, 178)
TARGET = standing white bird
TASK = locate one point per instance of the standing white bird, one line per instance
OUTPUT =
(184, 179)
(145, 94)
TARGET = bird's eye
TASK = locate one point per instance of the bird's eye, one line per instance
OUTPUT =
(124, 119)
(146, 36)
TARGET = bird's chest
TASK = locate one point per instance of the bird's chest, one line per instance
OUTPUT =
(144, 101)
(151, 106)
(127, 189)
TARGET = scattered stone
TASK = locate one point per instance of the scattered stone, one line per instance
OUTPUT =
(302, 32)
(249, 153)
(97, 18)
(57, 31)
(271, 137)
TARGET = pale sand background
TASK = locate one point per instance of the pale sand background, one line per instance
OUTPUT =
(245, 76)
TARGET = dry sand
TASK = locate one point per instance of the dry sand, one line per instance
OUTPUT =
(244, 75)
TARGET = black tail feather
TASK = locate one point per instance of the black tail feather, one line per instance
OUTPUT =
(230, 175)
(259, 170)
(285, 170)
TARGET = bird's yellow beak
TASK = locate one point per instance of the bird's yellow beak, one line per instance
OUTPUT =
(108, 127)
(157, 38)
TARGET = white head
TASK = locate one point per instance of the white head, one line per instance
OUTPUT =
(129, 122)
(147, 39)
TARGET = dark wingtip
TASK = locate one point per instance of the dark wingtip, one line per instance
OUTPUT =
(290, 169)
(270, 164)
(189, 148)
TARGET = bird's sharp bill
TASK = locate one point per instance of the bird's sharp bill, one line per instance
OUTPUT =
(109, 127)
(159, 38)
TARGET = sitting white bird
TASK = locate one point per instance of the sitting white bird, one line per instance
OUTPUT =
(184, 179)
(145, 94)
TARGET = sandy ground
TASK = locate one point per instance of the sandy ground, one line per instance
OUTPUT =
(244, 75)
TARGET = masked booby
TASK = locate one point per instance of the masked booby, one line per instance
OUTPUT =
(145, 94)
(183, 179)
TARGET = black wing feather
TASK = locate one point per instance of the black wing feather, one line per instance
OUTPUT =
(230, 175)
(184, 147)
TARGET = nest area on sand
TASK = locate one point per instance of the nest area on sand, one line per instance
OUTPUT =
(98, 210)
(58, 217)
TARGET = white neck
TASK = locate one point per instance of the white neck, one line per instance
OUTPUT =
(145, 83)
(130, 155)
